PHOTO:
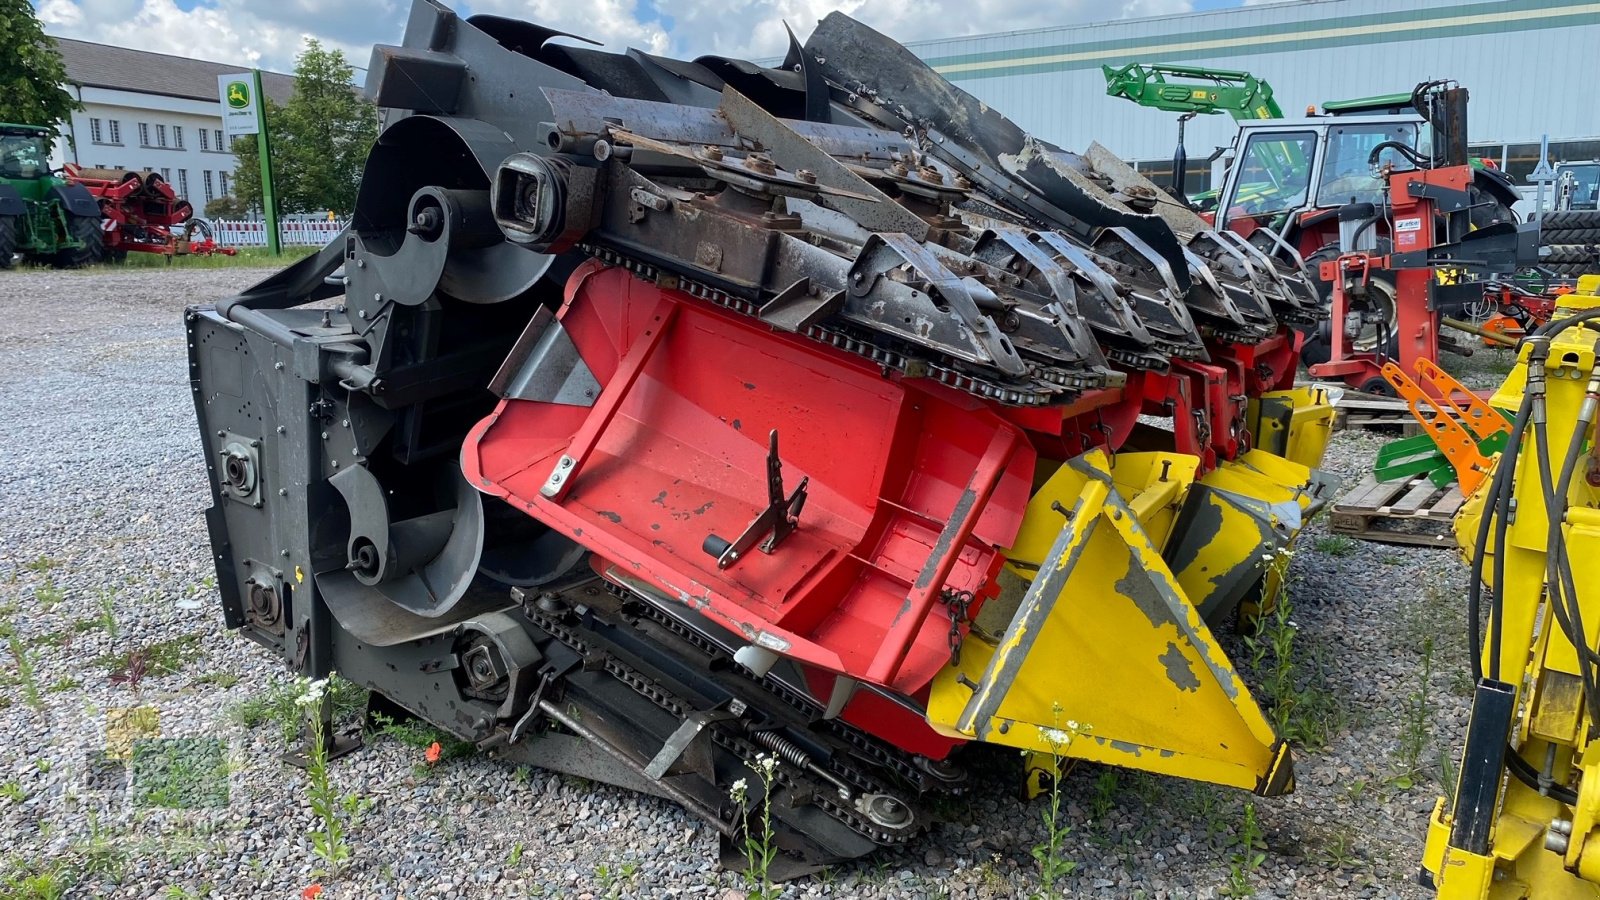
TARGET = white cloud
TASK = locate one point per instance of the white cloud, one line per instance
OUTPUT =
(269, 33)
(247, 32)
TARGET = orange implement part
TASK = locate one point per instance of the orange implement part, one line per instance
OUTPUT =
(1450, 436)
(1479, 417)
(1505, 325)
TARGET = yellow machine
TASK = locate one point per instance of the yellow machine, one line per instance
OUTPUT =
(1128, 562)
(1524, 820)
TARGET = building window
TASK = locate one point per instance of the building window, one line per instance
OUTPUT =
(94, 131)
(183, 182)
(166, 175)
(177, 136)
(116, 130)
(222, 178)
(144, 134)
(205, 176)
(220, 145)
(205, 139)
(161, 135)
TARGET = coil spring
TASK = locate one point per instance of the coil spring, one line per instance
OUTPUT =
(784, 747)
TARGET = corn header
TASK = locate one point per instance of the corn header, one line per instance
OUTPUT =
(1522, 820)
(654, 414)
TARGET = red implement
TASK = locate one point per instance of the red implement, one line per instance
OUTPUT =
(911, 486)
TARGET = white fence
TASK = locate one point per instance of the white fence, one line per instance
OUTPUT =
(246, 233)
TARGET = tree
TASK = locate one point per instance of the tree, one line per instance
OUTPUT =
(319, 139)
(32, 76)
(227, 208)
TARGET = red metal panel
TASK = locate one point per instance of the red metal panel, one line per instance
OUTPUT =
(683, 457)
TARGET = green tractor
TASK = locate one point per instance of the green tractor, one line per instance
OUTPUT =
(42, 216)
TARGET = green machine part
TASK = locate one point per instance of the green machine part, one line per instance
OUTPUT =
(1211, 92)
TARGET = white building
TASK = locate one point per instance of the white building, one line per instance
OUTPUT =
(1507, 53)
(151, 111)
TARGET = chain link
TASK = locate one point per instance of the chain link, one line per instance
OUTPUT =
(959, 604)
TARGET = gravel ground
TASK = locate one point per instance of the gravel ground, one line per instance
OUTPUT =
(101, 493)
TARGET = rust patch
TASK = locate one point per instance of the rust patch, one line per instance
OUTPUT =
(748, 386)
(737, 425)
(608, 514)
(704, 507)
(661, 499)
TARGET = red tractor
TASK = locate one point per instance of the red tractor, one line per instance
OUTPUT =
(140, 212)
(1291, 178)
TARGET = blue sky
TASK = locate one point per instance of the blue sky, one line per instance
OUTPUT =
(269, 33)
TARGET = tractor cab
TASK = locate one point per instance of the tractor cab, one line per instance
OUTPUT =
(24, 152)
(1578, 185)
(1290, 176)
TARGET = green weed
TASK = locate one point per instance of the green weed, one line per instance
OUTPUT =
(1104, 796)
(25, 676)
(1248, 857)
(1336, 545)
(160, 658)
(1298, 701)
(277, 704)
(1416, 726)
(419, 735)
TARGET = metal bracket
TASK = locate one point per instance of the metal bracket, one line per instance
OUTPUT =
(777, 521)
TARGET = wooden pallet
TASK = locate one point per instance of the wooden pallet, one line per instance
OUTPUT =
(1358, 410)
(1411, 511)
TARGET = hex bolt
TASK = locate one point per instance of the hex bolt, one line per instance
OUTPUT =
(760, 163)
(806, 175)
(713, 152)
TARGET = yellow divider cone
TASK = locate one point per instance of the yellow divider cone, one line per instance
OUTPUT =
(1093, 633)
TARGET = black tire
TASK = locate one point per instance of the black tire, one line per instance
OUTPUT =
(1570, 219)
(85, 229)
(1571, 254)
(1569, 236)
(8, 240)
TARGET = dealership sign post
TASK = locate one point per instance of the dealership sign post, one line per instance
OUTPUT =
(244, 113)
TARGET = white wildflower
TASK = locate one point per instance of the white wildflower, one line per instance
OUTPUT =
(1055, 737)
(768, 765)
(739, 791)
(311, 692)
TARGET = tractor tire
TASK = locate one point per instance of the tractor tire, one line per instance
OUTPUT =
(1553, 237)
(87, 230)
(1571, 254)
(8, 240)
(1569, 220)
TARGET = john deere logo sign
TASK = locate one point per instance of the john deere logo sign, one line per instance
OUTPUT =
(237, 93)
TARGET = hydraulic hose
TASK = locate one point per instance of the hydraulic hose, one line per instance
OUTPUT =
(1497, 507)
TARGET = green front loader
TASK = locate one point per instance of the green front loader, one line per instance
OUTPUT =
(43, 217)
